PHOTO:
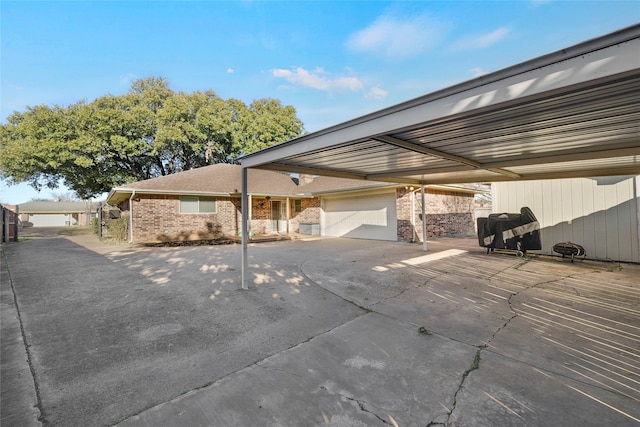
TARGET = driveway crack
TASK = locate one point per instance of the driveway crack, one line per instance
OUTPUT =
(363, 408)
(477, 357)
(475, 365)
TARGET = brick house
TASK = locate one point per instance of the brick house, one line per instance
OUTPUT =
(206, 203)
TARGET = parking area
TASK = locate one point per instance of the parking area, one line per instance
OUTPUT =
(332, 332)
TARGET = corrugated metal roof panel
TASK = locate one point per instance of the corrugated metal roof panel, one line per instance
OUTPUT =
(616, 162)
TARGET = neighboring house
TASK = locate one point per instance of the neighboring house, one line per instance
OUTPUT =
(56, 214)
(601, 214)
(206, 203)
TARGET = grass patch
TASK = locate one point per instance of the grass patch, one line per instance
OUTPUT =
(476, 363)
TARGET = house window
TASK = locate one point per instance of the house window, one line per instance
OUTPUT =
(207, 205)
(190, 205)
(297, 205)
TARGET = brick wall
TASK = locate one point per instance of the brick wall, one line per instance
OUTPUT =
(260, 216)
(310, 214)
(403, 215)
(157, 218)
(448, 214)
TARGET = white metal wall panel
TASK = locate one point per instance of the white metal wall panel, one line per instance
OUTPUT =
(49, 220)
(600, 214)
(361, 217)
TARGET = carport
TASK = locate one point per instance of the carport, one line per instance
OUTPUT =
(572, 113)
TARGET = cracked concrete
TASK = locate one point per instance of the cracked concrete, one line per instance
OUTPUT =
(323, 371)
(534, 341)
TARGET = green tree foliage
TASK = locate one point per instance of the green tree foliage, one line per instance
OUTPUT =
(148, 132)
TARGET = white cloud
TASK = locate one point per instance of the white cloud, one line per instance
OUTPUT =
(397, 38)
(376, 93)
(477, 72)
(318, 79)
(230, 70)
(127, 79)
(483, 40)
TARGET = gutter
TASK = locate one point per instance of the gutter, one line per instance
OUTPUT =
(279, 195)
(454, 189)
(356, 189)
(390, 186)
(123, 190)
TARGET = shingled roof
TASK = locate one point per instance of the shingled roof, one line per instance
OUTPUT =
(329, 184)
(48, 207)
(219, 179)
(226, 180)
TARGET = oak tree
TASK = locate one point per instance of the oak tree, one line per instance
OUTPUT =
(150, 131)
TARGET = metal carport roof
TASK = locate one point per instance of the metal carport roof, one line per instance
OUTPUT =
(571, 113)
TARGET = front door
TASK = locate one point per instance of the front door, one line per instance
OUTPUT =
(278, 217)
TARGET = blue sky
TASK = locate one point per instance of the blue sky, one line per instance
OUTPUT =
(332, 61)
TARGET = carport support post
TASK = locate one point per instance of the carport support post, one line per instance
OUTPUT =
(245, 232)
(424, 220)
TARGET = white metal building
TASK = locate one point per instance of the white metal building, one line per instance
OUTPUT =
(600, 214)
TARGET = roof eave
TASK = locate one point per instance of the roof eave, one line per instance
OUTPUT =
(127, 190)
(113, 198)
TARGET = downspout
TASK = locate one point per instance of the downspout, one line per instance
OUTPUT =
(424, 220)
(131, 216)
(414, 233)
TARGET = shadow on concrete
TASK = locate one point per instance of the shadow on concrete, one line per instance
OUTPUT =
(332, 331)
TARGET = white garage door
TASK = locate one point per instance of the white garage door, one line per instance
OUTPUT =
(362, 217)
(49, 220)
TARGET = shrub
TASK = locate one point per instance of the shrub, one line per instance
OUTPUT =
(118, 228)
(94, 225)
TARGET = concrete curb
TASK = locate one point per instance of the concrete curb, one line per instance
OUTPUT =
(17, 387)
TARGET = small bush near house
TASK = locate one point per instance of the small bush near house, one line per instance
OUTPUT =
(94, 225)
(118, 228)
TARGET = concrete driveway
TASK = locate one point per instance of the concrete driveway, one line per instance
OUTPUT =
(333, 332)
